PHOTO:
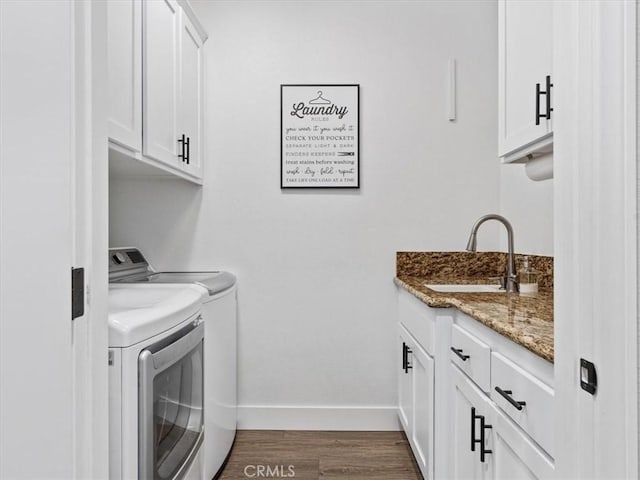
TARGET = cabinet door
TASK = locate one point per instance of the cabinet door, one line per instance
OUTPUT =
(190, 95)
(405, 385)
(468, 406)
(515, 455)
(160, 80)
(422, 368)
(124, 37)
(525, 59)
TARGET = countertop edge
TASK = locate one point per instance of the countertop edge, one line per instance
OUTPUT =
(444, 300)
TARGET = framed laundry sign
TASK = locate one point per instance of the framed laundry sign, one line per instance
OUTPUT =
(319, 136)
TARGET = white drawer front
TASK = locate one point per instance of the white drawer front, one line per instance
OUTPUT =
(536, 415)
(472, 356)
(418, 319)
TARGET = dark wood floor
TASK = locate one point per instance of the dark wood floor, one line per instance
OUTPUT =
(321, 455)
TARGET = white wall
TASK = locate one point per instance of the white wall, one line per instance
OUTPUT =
(529, 207)
(317, 316)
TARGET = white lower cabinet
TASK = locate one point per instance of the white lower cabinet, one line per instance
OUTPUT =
(503, 432)
(416, 394)
(459, 426)
(486, 444)
(469, 438)
(515, 455)
(421, 383)
(405, 382)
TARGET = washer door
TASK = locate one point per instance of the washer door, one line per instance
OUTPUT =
(170, 404)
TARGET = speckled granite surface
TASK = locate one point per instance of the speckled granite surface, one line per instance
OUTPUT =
(466, 265)
(528, 321)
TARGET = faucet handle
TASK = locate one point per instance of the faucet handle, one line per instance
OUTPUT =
(502, 279)
(513, 283)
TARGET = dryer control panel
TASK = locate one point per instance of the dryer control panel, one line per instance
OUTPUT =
(126, 261)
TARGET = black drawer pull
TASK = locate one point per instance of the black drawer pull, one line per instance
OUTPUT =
(507, 395)
(458, 352)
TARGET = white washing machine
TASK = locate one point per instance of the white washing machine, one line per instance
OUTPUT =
(129, 267)
(156, 382)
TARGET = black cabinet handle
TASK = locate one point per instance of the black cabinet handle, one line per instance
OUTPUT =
(483, 427)
(507, 395)
(404, 357)
(188, 155)
(547, 94)
(481, 440)
(474, 417)
(538, 104)
(182, 141)
(458, 352)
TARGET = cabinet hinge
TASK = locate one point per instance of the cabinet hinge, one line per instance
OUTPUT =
(77, 292)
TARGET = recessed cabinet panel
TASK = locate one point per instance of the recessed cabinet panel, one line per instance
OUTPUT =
(507, 463)
(416, 385)
(190, 100)
(525, 60)
(405, 384)
(515, 455)
(469, 405)
(160, 80)
(125, 73)
(472, 356)
(535, 416)
(418, 319)
(423, 397)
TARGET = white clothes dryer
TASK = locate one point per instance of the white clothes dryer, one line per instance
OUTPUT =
(156, 382)
(128, 266)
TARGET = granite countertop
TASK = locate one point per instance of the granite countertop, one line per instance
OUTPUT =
(528, 321)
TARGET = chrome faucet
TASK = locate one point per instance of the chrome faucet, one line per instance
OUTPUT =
(511, 278)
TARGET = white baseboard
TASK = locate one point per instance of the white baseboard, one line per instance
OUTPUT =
(259, 417)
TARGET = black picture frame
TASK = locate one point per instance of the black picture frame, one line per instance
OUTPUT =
(328, 90)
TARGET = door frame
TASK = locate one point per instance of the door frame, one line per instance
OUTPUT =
(595, 237)
(91, 221)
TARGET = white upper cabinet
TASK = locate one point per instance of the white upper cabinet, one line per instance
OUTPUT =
(525, 109)
(155, 85)
(125, 73)
(190, 95)
(161, 21)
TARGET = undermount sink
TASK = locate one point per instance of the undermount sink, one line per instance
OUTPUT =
(460, 288)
